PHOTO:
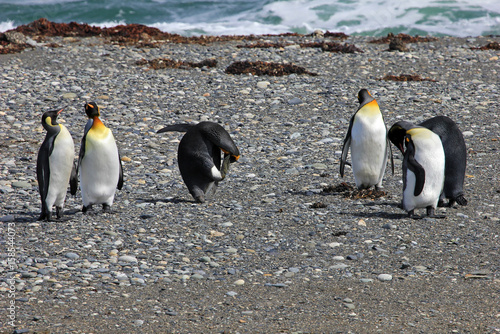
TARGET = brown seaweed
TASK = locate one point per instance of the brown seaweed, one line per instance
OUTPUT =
(406, 77)
(404, 38)
(161, 63)
(348, 191)
(265, 68)
(489, 46)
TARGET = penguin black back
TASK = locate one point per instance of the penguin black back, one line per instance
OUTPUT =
(455, 156)
(454, 149)
(199, 156)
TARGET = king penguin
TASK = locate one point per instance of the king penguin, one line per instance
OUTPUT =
(101, 171)
(367, 137)
(199, 156)
(55, 166)
(423, 171)
(455, 154)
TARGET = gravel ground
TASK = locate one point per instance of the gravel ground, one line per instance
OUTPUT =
(271, 252)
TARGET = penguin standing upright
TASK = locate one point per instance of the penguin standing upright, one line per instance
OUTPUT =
(455, 153)
(423, 170)
(199, 156)
(99, 162)
(367, 137)
(55, 166)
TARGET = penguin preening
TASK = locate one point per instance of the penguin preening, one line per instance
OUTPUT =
(99, 162)
(55, 166)
(454, 150)
(199, 156)
(367, 138)
(423, 171)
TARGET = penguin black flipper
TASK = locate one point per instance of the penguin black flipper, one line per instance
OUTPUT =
(416, 168)
(184, 127)
(119, 186)
(82, 146)
(345, 147)
(390, 154)
(43, 171)
(73, 179)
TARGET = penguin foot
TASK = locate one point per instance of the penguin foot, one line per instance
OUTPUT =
(59, 212)
(199, 199)
(431, 214)
(86, 208)
(411, 214)
(442, 204)
(106, 208)
(461, 200)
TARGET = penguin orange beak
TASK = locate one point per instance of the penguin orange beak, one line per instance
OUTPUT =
(233, 157)
(60, 111)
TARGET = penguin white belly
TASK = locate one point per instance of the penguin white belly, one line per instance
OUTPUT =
(100, 169)
(368, 150)
(60, 165)
(430, 155)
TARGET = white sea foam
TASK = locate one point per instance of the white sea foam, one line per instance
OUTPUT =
(370, 17)
(6, 25)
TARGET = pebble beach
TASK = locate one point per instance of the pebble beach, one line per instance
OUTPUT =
(272, 251)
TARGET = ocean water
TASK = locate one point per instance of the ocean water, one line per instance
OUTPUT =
(243, 17)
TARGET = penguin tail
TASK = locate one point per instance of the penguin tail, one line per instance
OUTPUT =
(460, 199)
(176, 127)
(73, 180)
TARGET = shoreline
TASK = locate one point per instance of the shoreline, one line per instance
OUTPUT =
(263, 255)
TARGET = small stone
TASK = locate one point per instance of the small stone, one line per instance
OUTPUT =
(239, 282)
(339, 266)
(69, 96)
(231, 293)
(127, 258)
(21, 184)
(72, 256)
(138, 323)
(231, 250)
(197, 276)
(366, 280)
(263, 84)
(294, 101)
(385, 277)
(7, 219)
(350, 306)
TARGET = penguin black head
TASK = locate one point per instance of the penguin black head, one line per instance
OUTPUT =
(92, 110)
(397, 134)
(49, 118)
(364, 96)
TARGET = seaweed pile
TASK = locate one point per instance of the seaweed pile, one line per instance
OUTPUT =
(265, 68)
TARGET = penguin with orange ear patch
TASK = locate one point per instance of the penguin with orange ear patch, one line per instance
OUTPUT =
(199, 156)
(367, 139)
(55, 166)
(99, 162)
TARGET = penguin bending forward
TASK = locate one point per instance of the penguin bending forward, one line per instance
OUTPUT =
(367, 137)
(101, 171)
(55, 166)
(423, 171)
(455, 154)
(199, 156)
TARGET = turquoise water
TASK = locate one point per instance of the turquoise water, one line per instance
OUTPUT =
(228, 17)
